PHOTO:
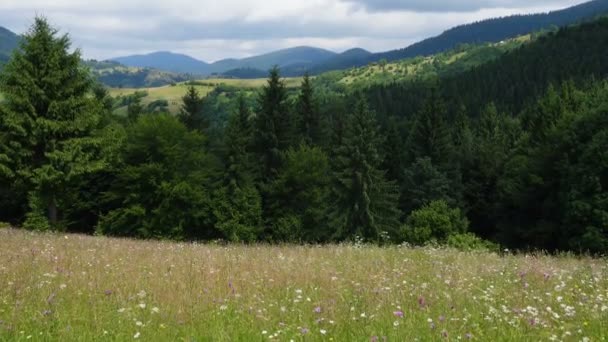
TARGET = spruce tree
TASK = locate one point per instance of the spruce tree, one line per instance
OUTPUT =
(47, 121)
(272, 134)
(430, 136)
(238, 204)
(365, 202)
(309, 128)
(191, 112)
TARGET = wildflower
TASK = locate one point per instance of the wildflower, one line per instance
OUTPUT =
(139, 324)
(142, 305)
(264, 332)
(396, 323)
(121, 310)
(136, 336)
(323, 331)
(468, 336)
(318, 309)
(142, 294)
(63, 286)
(421, 302)
(108, 292)
(304, 331)
(373, 339)
(398, 313)
(155, 310)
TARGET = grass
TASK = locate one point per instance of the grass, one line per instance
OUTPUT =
(81, 288)
(174, 94)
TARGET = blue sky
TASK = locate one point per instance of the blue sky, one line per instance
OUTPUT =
(214, 29)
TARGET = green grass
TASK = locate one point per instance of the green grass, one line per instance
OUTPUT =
(81, 288)
(446, 63)
(174, 94)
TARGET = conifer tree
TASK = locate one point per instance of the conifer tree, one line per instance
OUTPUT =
(365, 203)
(430, 136)
(47, 119)
(272, 134)
(191, 112)
(309, 128)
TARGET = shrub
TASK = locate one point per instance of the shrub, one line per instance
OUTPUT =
(470, 242)
(435, 221)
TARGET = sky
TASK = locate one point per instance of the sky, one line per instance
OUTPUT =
(211, 30)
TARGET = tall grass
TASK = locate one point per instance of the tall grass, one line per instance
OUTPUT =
(81, 288)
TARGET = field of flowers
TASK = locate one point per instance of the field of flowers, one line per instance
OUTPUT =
(80, 288)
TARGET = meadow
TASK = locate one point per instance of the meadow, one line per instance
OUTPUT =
(173, 94)
(58, 287)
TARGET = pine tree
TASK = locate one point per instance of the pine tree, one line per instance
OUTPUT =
(191, 113)
(308, 122)
(365, 202)
(48, 118)
(238, 141)
(272, 134)
(430, 136)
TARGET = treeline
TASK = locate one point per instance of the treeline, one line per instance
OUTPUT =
(313, 165)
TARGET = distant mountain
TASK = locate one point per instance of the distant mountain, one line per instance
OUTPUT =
(167, 61)
(8, 42)
(301, 58)
(487, 31)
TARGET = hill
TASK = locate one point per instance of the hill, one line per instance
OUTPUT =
(575, 53)
(116, 75)
(452, 62)
(167, 61)
(511, 82)
(487, 31)
(299, 58)
(8, 42)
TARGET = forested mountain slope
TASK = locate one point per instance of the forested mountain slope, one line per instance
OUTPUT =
(575, 53)
(492, 30)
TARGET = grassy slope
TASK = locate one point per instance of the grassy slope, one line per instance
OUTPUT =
(173, 94)
(447, 63)
(79, 288)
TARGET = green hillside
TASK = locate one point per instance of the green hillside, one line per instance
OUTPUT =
(116, 75)
(448, 63)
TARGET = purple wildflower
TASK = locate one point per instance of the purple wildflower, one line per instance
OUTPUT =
(373, 339)
(318, 309)
(304, 331)
(398, 313)
(468, 336)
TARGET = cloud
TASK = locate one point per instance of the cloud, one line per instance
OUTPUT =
(451, 5)
(212, 30)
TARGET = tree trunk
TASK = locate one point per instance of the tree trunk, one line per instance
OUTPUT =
(52, 212)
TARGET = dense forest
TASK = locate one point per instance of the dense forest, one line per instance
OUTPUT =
(509, 153)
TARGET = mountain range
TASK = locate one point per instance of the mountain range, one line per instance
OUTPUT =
(158, 67)
(296, 61)
(299, 58)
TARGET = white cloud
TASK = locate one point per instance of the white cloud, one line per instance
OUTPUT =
(212, 29)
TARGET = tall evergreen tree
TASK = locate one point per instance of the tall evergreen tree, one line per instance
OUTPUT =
(365, 203)
(272, 135)
(191, 113)
(430, 136)
(309, 125)
(47, 120)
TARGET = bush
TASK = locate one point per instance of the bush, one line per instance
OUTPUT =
(470, 242)
(435, 221)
